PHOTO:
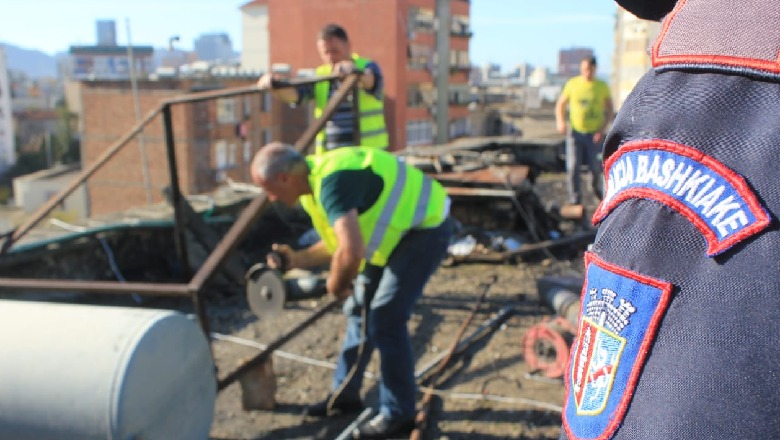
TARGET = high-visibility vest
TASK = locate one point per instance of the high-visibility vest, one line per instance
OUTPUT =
(373, 132)
(409, 199)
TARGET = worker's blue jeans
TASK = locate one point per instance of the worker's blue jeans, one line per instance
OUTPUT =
(395, 289)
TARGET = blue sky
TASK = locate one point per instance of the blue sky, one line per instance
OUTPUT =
(506, 32)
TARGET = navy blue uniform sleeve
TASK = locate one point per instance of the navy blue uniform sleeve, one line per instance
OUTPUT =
(305, 91)
(379, 83)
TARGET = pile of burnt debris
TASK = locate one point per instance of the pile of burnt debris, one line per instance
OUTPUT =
(492, 183)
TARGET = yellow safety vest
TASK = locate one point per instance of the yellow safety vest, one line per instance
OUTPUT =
(409, 199)
(373, 132)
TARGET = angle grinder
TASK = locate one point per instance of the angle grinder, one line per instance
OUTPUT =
(268, 290)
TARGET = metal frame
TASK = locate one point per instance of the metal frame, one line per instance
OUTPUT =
(193, 288)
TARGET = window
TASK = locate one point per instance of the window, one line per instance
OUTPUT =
(459, 25)
(414, 96)
(420, 57)
(224, 154)
(460, 127)
(267, 136)
(420, 95)
(232, 152)
(420, 20)
(220, 154)
(459, 94)
(265, 105)
(419, 132)
(247, 152)
(247, 106)
(459, 59)
(226, 111)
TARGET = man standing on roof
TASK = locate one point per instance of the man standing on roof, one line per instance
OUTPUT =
(342, 130)
(590, 110)
(385, 220)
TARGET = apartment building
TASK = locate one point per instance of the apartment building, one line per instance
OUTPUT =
(633, 38)
(214, 139)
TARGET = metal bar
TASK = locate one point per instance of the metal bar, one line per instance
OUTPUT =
(250, 214)
(311, 131)
(107, 287)
(44, 210)
(347, 432)
(237, 91)
(356, 135)
(265, 354)
(525, 249)
(478, 192)
(492, 323)
(178, 213)
(421, 421)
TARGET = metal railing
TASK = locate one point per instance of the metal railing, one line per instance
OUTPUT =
(194, 288)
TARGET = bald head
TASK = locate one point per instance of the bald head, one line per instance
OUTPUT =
(275, 158)
(282, 172)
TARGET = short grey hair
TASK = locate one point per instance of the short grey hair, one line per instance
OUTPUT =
(275, 158)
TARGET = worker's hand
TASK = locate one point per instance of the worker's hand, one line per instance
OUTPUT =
(344, 67)
(598, 137)
(341, 296)
(265, 81)
(282, 258)
(561, 127)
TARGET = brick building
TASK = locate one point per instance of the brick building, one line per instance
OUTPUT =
(569, 60)
(400, 35)
(214, 139)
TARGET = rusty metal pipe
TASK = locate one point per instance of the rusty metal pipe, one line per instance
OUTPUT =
(421, 420)
(265, 354)
(237, 91)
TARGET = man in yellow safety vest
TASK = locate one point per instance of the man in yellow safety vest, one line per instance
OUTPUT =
(334, 48)
(383, 224)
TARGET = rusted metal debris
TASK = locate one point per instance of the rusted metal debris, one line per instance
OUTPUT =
(492, 187)
(546, 345)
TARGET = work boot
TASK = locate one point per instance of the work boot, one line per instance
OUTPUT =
(341, 405)
(380, 427)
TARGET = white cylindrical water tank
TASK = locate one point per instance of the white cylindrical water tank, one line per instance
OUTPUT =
(91, 372)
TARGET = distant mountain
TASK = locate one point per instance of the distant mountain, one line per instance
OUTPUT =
(34, 63)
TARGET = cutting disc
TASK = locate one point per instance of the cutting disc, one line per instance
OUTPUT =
(265, 291)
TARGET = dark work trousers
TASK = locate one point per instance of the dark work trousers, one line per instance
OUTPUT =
(581, 150)
(393, 291)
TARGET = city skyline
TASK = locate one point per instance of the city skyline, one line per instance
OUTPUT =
(547, 28)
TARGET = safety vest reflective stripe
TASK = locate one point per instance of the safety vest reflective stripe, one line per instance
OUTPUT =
(387, 211)
(422, 203)
(378, 111)
(383, 222)
(366, 134)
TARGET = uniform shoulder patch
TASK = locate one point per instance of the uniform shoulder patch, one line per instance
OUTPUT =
(620, 314)
(716, 200)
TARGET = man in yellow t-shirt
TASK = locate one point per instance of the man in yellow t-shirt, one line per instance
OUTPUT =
(590, 110)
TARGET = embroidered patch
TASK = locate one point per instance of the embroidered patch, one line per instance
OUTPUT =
(621, 312)
(715, 199)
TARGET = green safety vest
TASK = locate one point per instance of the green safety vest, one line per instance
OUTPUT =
(373, 132)
(409, 199)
